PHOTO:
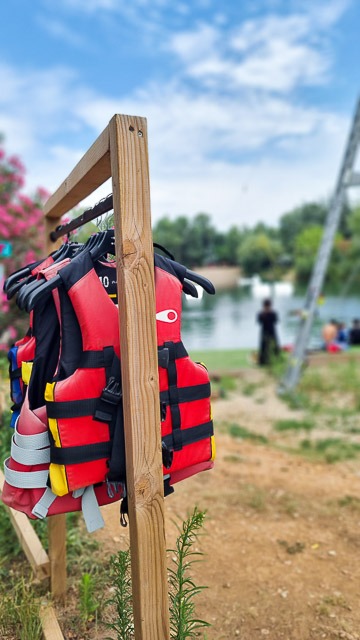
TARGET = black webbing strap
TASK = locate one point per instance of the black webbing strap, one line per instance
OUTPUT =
(92, 360)
(15, 373)
(71, 408)
(79, 454)
(173, 397)
(163, 353)
(188, 394)
(110, 398)
(192, 434)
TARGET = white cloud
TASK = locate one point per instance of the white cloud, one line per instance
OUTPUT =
(236, 145)
(273, 53)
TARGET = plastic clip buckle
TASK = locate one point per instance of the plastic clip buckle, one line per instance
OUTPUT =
(111, 395)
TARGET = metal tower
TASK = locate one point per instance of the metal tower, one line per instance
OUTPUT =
(347, 178)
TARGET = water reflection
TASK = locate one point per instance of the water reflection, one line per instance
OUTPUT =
(228, 319)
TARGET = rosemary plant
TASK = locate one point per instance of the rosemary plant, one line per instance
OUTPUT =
(183, 622)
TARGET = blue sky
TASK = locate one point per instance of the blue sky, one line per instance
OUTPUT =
(248, 102)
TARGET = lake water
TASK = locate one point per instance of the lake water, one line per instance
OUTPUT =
(228, 319)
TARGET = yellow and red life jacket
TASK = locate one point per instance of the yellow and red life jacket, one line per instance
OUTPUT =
(82, 390)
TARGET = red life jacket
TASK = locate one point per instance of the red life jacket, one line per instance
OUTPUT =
(27, 470)
(83, 397)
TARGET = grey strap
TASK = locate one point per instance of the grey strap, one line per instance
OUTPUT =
(78, 492)
(91, 510)
(36, 441)
(28, 480)
(29, 456)
(42, 507)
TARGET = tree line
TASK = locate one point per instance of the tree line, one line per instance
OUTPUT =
(270, 251)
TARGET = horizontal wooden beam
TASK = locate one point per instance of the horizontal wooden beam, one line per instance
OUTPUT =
(29, 541)
(90, 172)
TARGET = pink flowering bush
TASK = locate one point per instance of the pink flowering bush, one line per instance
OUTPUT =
(21, 223)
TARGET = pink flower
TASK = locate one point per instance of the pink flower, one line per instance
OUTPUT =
(15, 162)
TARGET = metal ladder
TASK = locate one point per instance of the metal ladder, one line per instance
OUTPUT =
(347, 178)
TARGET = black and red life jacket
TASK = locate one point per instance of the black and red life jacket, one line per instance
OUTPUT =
(77, 371)
(23, 351)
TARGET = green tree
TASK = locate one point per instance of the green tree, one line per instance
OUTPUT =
(227, 246)
(306, 250)
(291, 224)
(258, 253)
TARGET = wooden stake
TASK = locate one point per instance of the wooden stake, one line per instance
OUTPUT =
(50, 626)
(29, 541)
(135, 277)
(56, 524)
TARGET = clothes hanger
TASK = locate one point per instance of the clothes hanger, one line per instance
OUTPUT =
(67, 250)
(97, 245)
(20, 273)
(17, 280)
(26, 286)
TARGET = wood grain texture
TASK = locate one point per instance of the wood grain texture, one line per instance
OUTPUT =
(56, 524)
(57, 555)
(29, 541)
(91, 171)
(49, 623)
(135, 273)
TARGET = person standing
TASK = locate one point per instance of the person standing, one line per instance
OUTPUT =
(269, 344)
(354, 333)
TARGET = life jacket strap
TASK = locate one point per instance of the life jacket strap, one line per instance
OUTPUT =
(178, 352)
(173, 394)
(29, 480)
(187, 394)
(34, 441)
(92, 360)
(14, 374)
(91, 510)
(28, 456)
(71, 408)
(79, 454)
(192, 434)
(43, 505)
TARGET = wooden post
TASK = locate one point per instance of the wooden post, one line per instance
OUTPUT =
(135, 277)
(56, 524)
(121, 152)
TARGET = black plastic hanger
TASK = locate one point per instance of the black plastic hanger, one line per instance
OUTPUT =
(19, 274)
(97, 245)
(201, 280)
(25, 287)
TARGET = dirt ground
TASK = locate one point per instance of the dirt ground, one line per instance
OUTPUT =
(281, 541)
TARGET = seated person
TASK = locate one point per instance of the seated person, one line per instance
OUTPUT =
(354, 333)
(342, 336)
(329, 333)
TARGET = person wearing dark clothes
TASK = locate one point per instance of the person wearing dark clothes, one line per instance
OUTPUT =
(269, 345)
(354, 333)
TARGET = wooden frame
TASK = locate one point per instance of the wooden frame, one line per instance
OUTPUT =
(121, 152)
(29, 541)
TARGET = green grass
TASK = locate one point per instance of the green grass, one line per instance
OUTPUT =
(330, 450)
(236, 431)
(224, 358)
(294, 425)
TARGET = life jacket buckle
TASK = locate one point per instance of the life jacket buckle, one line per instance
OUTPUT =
(163, 357)
(167, 455)
(111, 395)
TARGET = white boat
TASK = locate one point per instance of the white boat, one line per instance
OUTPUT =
(260, 289)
